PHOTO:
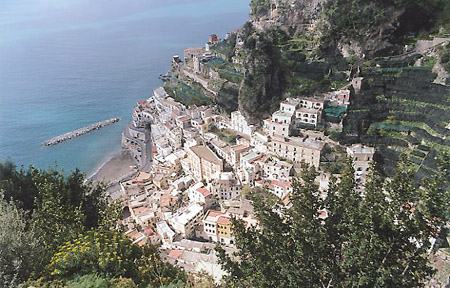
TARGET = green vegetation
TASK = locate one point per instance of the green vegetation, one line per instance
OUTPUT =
(333, 112)
(264, 79)
(186, 94)
(227, 99)
(55, 230)
(379, 240)
(356, 19)
(259, 7)
(224, 134)
(231, 75)
(444, 54)
(226, 47)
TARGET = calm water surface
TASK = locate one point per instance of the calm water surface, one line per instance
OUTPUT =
(65, 64)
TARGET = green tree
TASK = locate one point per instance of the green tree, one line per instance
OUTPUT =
(19, 246)
(377, 239)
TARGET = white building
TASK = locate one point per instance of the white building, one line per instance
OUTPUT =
(239, 124)
(362, 157)
(298, 150)
(167, 235)
(260, 142)
(312, 102)
(225, 186)
(275, 169)
(250, 168)
(281, 188)
(186, 220)
(289, 105)
(201, 195)
(307, 116)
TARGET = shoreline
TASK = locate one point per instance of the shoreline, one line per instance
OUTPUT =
(117, 166)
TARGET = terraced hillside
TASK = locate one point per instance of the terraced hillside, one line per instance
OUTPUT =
(401, 110)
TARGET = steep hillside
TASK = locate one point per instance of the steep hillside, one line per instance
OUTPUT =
(304, 47)
(399, 109)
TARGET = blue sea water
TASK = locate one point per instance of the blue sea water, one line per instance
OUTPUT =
(65, 64)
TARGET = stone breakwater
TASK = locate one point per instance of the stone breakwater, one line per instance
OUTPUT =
(81, 131)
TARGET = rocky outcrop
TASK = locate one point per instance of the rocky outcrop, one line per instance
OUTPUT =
(292, 16)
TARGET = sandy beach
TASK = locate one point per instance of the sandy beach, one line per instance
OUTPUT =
(114, 169)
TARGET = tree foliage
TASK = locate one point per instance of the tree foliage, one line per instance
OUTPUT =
(379, 239)
(110, 254)
(58, 229)
(19, 246)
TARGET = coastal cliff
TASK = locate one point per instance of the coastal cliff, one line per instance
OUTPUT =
(394, 56)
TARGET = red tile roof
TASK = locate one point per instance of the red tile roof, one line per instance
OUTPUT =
(139, 210)
(283, 184)
(205, 192)
(149, 232)
(165, 200)
(239, 147)
(176, 254)
(223, 220)
(214, 213)
(142, 102)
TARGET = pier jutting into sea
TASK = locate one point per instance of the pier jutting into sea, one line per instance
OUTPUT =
(81, 131)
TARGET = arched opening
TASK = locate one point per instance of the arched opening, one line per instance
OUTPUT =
(126, 212)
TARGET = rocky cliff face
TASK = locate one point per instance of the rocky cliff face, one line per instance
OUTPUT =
(291, 46)
(292, 16)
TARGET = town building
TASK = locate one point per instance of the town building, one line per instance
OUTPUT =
(281, 189)
(273, 168)
(209, 222)
(297, 150)
(204, 162)
(260, 142)
(312, 102)
(362, 157)
(250, 168)
(186, 220)
(225, 186)
(201, 195)
(240, 124)
(340, 98)
(224, 232)
(166, 234)
(307, 117)
(236, 152)
(222, 148)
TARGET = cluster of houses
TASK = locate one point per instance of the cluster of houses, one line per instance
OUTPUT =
(190, 178)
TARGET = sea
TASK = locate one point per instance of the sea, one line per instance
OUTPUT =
(65, 64)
